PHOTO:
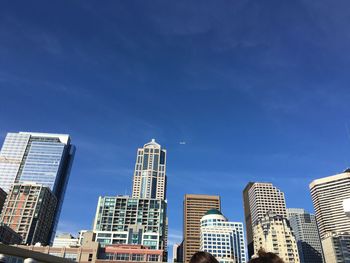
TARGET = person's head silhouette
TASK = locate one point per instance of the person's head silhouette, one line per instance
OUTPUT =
(203, 257)
(266, 257)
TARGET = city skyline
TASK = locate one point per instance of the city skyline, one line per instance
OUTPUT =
(178, 239)
(236, 91)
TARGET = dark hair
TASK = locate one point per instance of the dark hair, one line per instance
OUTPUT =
(266, 257)
(203, 257)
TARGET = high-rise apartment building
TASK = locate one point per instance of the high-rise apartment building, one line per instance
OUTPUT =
(272, 233)
(150, 172)
(133, 221)
(336, 247)
(29, 210)
(223, 239)
(41, 158)
(259, 199)
(195, 207)
(327, 195)
(306, 234)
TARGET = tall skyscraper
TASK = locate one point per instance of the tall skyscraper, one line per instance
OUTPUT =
(306, 234)
(140, 219)
(150, 172)
(41, 158)
(29, 210)
(327, 195)
(272, 233)
(258, 199)
(133, 221)
(195, 207)
(223, 239)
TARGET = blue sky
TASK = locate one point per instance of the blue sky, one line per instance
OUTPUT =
(259, 90)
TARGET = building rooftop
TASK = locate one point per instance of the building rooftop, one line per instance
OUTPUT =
(213, 212)
(328, 179)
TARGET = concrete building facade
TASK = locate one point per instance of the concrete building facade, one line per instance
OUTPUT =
(195, 207)
(272, 233)
(306, 234)
(65, 240)
(150, 172)
(336, 247)
(89, 251)
(328, 194)
(30, 210)
(131, 253)
(259, 199)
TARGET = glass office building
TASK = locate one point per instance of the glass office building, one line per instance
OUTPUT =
(41, 158)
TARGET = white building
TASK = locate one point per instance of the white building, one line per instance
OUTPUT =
(150, 172)
(65, 240)
(328, 194)
(346, 206)
(273, 234)
(223, 239)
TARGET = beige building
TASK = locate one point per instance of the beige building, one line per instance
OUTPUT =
(336, 248)
(150, 172)
(87, 252)
(259, 199)
(273, 234)
(195, 207)
(29, 210)
(328, 194)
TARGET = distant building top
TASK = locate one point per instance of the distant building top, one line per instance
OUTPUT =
(64, 138)
(152, 143)
(344, 175)
(213, 212)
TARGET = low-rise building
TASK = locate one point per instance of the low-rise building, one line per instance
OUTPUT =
(87, 252)
(130, 253)
(15, 254)
(65, 240)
